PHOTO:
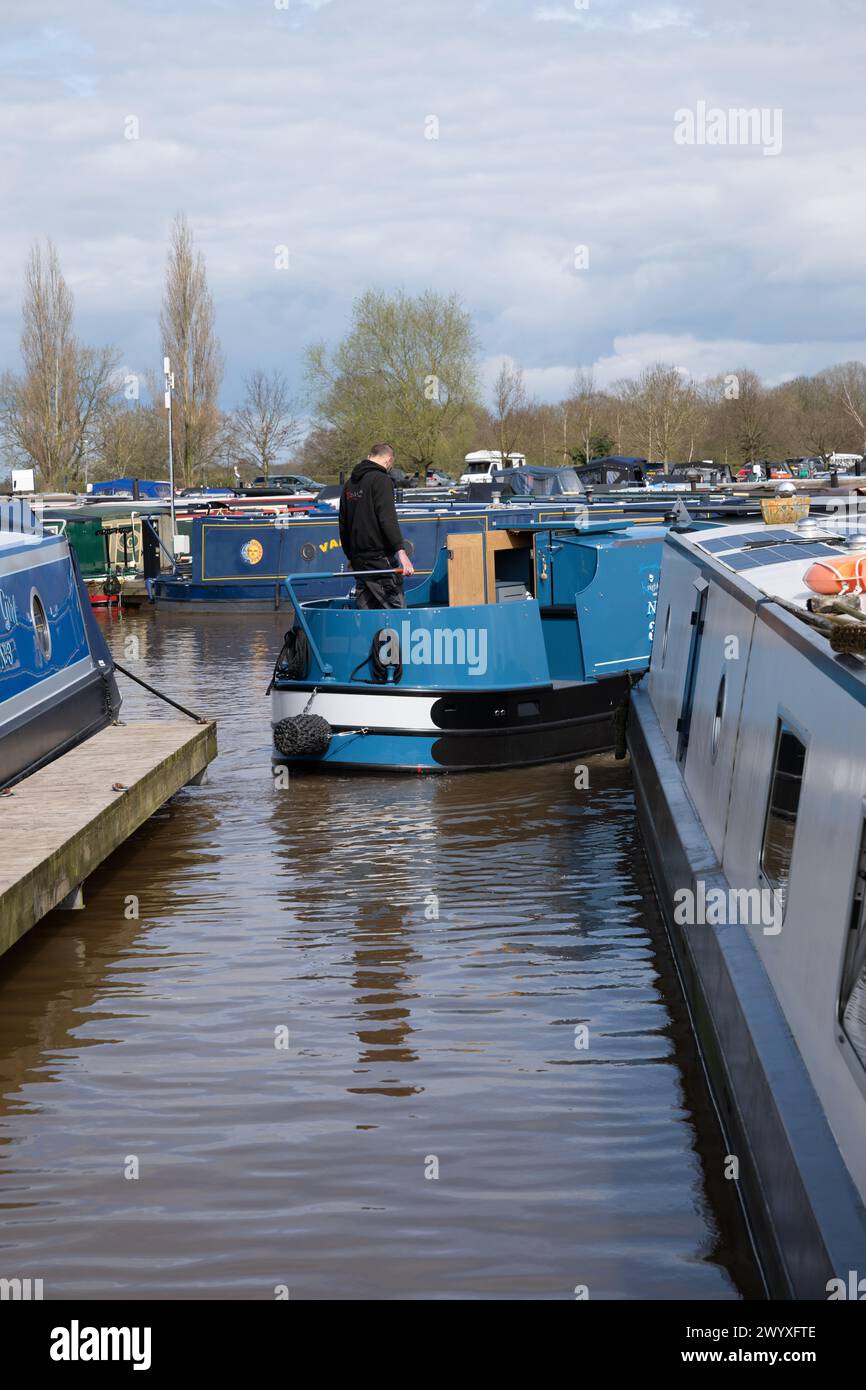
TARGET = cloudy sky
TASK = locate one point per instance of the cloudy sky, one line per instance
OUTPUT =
(306, 124)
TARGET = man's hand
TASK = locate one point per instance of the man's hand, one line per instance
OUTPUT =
(405, 562)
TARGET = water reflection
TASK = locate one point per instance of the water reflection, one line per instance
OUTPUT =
(431, 946)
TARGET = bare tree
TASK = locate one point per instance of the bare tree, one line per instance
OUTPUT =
(509, 407)
(584, 413)
(661, 405)
(563, 416)
(749, 409)
(266, 425)
(48, 415)
(190, 341)
(130, 441)
(849, 383)
(808, 412)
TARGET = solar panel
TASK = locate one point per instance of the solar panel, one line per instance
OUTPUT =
(719, 543)
(789, 552)
(762, 537)
(753, 549)
(742, 560)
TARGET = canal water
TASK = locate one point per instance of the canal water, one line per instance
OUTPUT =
(356, 1037)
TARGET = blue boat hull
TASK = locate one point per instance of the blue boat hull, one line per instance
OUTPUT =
(57, 685)
(61, 723)
(477, 731)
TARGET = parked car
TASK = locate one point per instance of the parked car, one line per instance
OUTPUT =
(436, 478)
(298, 481)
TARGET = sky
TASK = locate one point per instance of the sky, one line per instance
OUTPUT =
(547, 160)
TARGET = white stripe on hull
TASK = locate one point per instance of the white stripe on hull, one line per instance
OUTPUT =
(367, 710)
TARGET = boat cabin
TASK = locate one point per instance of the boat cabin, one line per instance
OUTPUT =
(747, 740)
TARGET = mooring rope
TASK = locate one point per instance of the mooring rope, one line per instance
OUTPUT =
(199, 718)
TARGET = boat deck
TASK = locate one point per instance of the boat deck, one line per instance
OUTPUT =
(59, 824)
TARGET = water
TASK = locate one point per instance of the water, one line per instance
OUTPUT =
(428, 947)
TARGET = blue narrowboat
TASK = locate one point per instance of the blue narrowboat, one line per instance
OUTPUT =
(242, 562)
(518, 648)
(57, 684)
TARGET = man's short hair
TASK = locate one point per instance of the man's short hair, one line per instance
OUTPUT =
(379, 451)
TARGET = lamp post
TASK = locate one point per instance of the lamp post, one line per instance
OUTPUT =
(169, 388)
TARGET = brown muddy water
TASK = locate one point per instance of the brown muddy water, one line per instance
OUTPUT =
(430, 947)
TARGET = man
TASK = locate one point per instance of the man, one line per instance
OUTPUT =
(370, 532)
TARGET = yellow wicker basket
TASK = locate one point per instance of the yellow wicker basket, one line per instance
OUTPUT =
(784, 511)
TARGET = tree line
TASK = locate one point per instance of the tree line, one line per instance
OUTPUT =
(406, 371)
(74, 414)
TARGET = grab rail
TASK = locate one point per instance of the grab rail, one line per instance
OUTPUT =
(327, 671)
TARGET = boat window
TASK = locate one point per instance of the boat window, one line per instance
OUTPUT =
(781, 823)
(665, 634)
(852, 993)
(41, 629)
(684, 723)
(717, 718)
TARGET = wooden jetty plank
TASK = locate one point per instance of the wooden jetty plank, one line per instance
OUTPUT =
(59, 824)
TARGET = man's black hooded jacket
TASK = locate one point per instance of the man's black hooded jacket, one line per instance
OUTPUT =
(369, 527)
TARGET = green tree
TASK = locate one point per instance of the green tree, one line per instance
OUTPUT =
(405, 373)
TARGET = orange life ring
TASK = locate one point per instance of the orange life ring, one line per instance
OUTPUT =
(847, 575)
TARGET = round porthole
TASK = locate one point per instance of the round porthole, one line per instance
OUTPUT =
(667, 629)
(41, 630)
(308, 552)
(717, 718)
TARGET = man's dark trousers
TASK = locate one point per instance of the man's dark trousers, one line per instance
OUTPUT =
(385, 591)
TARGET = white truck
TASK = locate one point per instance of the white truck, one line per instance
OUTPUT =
(480, 466)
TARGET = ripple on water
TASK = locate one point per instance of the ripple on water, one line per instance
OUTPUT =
(429, 946)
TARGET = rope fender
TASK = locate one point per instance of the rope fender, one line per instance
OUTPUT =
(302, 736)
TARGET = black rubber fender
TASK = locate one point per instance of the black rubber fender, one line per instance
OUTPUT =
(302, 736)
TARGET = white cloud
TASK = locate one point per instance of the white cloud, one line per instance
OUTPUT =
(554, 14)
(598, 16)
(693, 357)
(266, 128)
(661, 17)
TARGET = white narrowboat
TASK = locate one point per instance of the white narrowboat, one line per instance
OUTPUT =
(748, 744)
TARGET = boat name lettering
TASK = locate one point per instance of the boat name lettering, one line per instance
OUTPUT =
(8, 655)
(8, 610)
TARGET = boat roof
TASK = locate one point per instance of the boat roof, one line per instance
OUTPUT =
(105, 509)
(774, 559)
(770, 563)
(24, 542)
